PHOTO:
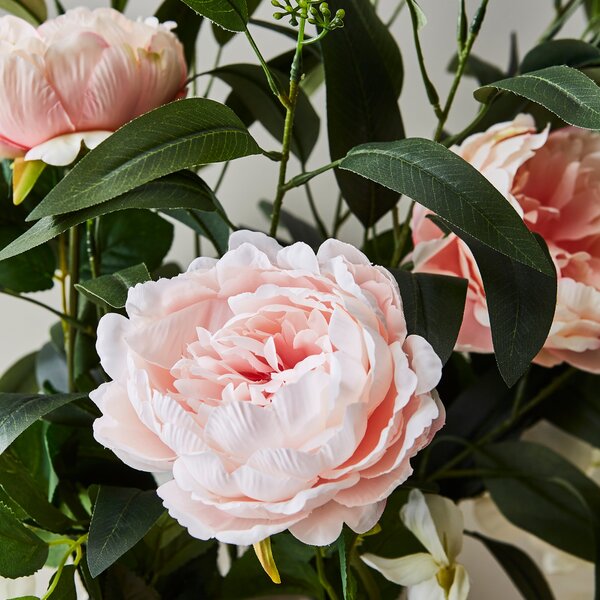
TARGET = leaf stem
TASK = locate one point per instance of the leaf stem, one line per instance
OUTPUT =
(74, 546)
(305, 177)
(396, 13)
(463, 58)
(295, 75)
(552, 387)
(563, 14)
(74, 242)
(325, 584)
(315, 212)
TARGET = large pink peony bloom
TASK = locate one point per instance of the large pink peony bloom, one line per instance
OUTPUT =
(78, 78)
(279, 387)
(554, 183)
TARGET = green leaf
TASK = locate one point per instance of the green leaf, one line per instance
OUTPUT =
(128, 238)
(23, 553)
(575, 408)
(481, 70)
(188, 24)
(210, 225)
(433, 307)
(421, 16)
(111, 290)
(33, 271)
(33, 11)
(345, 544)
(229, 14)
(65, 590)
(509, 256)
(249, 84)
(180, 190)
(523, 572)
(19, 411)
(565, 91)
(573, 53)
(177, 136)
(19, 378)
(121, 518)
(224, 36)
(363, 76)
(532, 488)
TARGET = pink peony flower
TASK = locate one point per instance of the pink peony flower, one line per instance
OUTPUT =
(554, 183)
(79, 77)
(280, 387)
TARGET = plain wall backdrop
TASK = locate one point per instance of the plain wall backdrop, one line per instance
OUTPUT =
(24, 327)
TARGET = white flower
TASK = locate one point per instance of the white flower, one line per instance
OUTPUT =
(434, 575)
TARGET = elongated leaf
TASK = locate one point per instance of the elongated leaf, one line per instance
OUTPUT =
(566, 92)
(65, 590)
(180, 190)
(573, 53)
(521, 569)
(121, 518)
(532, 487)
(444, 183)
(19, 411)
(111, 290)
(433, 307)
(19, 378)
(188, 24)
(23, 553)
(177, 136)
(363, 75)
(345, 543)
(509, 256)
(481, 70)
(229, 14)
(32, 271)
(207, 224)
(33, 11)
(249, 85)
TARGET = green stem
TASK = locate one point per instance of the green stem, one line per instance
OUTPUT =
(295, 75)
(323, 576)
(74, 239)
(337, 216)
(563, 14)
(365, 576)
(402, 238)
(459, 137)
(211, 79)
(463, 58)
(65, 317)
(315, 212)
(305, 177)
(507, 424)
(90, 244)
(396, 13)
(265, 67)
(74, 546)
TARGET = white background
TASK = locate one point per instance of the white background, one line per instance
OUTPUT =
(24, 327)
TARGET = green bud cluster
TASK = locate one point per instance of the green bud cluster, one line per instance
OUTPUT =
(315, 11)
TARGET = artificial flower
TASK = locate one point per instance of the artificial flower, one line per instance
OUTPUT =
(279, 386)
(79, 77)
(433, 575)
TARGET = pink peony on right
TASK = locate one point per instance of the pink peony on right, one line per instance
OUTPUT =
(553, 181)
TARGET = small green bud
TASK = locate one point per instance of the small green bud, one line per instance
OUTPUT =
(278, 16)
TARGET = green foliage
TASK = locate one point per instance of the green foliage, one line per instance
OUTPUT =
(573, 53)
(188, 25)
(19, 378)
(508, 255)
(523, 572)
(65, 589)
(121, 518)
(544, 494)
(566, 92)
(439, 323)
(228, 14)
(177, 136)
(111, 290)
(224, 36)
(33, 11)
(345, 545)
(23, 552)
(363, 75)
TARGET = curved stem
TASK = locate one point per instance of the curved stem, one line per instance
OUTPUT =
(74, 546)
(315, 212)
(74, 240)
(322, 575)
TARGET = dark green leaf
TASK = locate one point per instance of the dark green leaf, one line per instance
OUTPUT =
(19, 411)
(523, 572)
(575, 408)
(19, 378)
(207, 224)
(250, 87)
(433, 307)
(363, 75)
(111, 290)
(531, 486)
(188, 24)
(229, 14)
(23, 553)
(180, 190)
(33, 271)
(508, 254)
(573, 53)
(65, 590)
(51, 369)
(177, 136)
(345, 544)
(481, 70)
(121, 518)
(223, 36)
(33, 11)
(566, 92)
(130, 237)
